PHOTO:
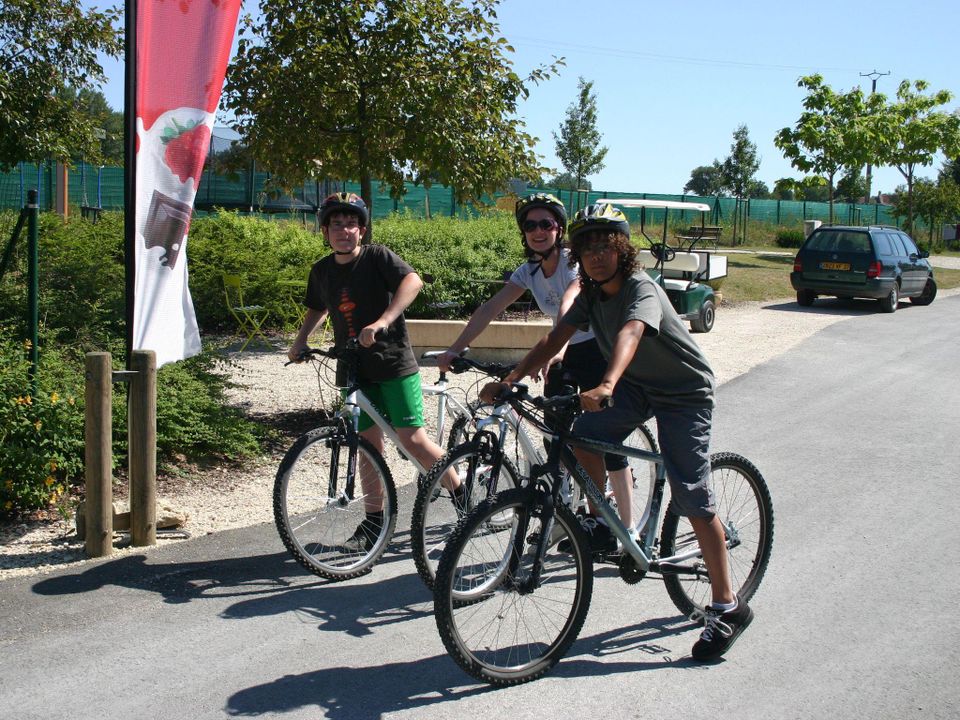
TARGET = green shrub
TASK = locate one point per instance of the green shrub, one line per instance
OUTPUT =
(789, 238)
(461, 255)
(261, 251)
(41, 434)
(192, 416)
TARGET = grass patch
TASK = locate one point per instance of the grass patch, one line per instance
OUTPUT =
(757, 277)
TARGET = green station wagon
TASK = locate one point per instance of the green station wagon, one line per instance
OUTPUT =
(863, 262)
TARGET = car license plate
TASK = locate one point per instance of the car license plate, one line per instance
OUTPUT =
(834, 266)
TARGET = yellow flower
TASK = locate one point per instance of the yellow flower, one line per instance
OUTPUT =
(25, 400)
(38, 424)
(27, 344)
(53, 465)
(54, 397)
(49, 481)
(70, 400)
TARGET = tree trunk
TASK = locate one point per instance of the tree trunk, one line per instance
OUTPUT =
(830, 194)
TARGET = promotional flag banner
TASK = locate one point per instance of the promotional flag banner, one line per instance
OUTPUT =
(182, 51)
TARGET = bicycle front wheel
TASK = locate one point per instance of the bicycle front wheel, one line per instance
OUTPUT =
(497, 622)
(743, 505)
(326, 525)
(437, 510)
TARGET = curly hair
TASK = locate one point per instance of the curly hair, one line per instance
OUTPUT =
(626, 252)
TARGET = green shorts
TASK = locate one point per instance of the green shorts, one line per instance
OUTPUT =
(399, 400)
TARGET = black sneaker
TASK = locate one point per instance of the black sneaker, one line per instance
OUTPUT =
(720, 629)
(363, 538)
(601, 539)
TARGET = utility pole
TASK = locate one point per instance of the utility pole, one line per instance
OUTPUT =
(873, 77)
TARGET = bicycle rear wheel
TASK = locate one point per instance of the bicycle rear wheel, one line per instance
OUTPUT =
(436, 510)
(497, 625)
(324, 527)
(743, 505)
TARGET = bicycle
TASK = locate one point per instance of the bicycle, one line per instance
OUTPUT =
(315, 499)
(509, 602)
(485, 467)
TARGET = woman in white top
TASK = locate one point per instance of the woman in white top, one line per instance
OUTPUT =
(554, 284)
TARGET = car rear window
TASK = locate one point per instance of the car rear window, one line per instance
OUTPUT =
(849, 241)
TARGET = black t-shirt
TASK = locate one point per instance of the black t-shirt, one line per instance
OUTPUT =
(355, 295)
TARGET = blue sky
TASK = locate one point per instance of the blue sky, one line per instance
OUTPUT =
(674, 81)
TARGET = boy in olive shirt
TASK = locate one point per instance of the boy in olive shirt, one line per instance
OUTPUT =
(654, 369)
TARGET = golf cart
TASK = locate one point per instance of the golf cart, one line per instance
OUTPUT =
(689, 275)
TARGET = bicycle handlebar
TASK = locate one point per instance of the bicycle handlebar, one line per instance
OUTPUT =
(352, 346)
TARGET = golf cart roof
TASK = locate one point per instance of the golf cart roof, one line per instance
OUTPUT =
(655, 204)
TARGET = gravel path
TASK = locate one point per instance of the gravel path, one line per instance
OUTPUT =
(744, 336)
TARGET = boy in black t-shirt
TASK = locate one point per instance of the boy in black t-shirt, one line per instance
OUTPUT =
(365, 289)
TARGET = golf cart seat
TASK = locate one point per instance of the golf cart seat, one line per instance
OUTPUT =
(678, 273)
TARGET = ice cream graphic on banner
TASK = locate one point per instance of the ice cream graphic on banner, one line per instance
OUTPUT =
(182, 51)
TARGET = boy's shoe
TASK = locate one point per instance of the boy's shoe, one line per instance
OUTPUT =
(601, 539)
(363, 538)
(720, 629)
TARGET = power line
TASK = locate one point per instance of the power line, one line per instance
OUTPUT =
(616, 52)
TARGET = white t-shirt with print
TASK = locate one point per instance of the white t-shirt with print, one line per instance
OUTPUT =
(548, 291)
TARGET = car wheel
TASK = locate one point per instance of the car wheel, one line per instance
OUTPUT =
(928, 294)
(805, 298)
(704, 321)
(890, 302)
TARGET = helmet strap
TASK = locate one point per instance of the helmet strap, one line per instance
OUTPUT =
(600, 283)
(541, 255)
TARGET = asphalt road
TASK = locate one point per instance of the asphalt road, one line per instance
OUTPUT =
(856, 433)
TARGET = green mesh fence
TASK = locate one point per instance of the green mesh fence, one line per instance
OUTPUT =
(94, 186)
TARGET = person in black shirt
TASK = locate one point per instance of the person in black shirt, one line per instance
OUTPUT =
(365, 289)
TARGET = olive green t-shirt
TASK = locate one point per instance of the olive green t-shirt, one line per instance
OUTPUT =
(669, 366)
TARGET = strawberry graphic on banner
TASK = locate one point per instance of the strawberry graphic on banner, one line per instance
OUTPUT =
(182, 51)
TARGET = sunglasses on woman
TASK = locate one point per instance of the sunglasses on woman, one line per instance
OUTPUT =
(531, 225)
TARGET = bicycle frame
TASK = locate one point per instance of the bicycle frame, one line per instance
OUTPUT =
(561, 454)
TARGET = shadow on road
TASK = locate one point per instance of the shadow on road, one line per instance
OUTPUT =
(360, 693)
(834, 306)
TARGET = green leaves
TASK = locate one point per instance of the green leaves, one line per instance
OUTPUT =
(48, 50)
(398, 89)
(578, 144)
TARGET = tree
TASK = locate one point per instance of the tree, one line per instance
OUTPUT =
(566, 181)
(382, 89)
(758, 189)
(951, 169)
(105, 119)
(737, 173)
(705, 180)
(784, 189)
(934, 202)
(852, 186)
(835, 131)
(914, 131)
(48, 52)
(578, 144)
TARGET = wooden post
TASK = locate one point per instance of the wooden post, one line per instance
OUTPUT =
(63, 189)
(142, 447)
(98, 455)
